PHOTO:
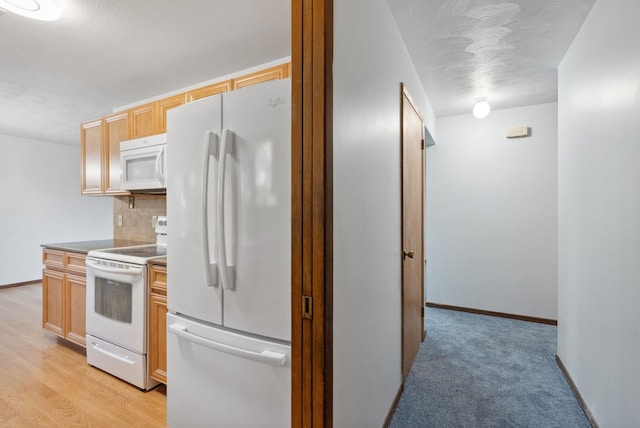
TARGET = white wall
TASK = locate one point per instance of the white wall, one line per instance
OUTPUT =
(599, 212)
(491, 228)
(370, 61)
(41, 203)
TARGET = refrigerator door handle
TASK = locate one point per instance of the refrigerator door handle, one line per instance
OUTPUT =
(210, 149)
(225, 147)
(270, 357)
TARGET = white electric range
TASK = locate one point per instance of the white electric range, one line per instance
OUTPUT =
(117, 308)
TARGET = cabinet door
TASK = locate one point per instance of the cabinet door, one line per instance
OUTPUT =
(163, 106)
(273, 73)
(158, 337)
(143, 121)
(91, 155)
(207, 91)
(116, 130)
(53, 301)
(75, 309)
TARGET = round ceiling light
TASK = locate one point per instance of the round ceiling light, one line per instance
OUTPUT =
(482, 108)
(43, 10)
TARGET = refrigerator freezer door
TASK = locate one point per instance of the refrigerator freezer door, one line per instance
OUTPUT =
(212, 384)
(193, 132)
(257, 209)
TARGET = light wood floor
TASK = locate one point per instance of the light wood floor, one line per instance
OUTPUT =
(46, 382)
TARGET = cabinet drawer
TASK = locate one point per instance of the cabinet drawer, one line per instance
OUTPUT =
(53, 259)
(158, 280)
(74, 262)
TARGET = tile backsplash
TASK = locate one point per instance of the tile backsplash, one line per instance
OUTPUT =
(136, 221)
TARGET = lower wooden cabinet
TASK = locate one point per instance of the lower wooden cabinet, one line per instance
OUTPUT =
(53, 300)
(76, 303)
(158, 323)
(64, 295)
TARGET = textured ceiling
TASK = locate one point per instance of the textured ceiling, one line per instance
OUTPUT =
(107, 53)
(505, 50)
(103, 54)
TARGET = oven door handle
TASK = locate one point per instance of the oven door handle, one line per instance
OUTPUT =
(128, 271)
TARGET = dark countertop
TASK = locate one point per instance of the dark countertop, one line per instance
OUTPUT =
(162, 261)
(86, 246)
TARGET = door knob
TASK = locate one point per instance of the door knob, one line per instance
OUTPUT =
(406, 254)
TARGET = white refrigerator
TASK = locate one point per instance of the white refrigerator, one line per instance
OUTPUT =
(229, 259)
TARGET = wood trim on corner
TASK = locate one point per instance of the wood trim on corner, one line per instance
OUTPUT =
(577, 394)
(493, 314)
(312, 213)
(392, 410)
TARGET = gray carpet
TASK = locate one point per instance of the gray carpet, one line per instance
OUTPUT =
(482, 371)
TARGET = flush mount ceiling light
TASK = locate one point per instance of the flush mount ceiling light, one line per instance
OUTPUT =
(43, 10)
(482, 108)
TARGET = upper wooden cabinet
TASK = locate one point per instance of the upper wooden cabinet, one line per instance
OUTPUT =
(143, 120)
(209, 90)
(273, 73)
(163, 106)
(92, 156)
(100, 154)
(100, 139)
(116, 130)
(151, 118)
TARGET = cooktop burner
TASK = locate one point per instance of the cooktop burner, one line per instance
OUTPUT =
(138, 254)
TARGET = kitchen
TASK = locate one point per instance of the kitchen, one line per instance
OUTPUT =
(60, 201)
(230, 247)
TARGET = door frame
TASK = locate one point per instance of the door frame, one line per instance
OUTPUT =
(312, 214)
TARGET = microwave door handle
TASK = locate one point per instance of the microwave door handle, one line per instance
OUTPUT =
(210, 149)
(158, 159)
(160, 163)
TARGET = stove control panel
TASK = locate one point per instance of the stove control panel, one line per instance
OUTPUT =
(161, 229)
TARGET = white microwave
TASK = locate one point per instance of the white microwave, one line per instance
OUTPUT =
(143, 163)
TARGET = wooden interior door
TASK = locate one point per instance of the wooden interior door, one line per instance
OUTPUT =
(412, 232)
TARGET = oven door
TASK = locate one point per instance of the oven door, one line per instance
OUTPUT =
(116, 303)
